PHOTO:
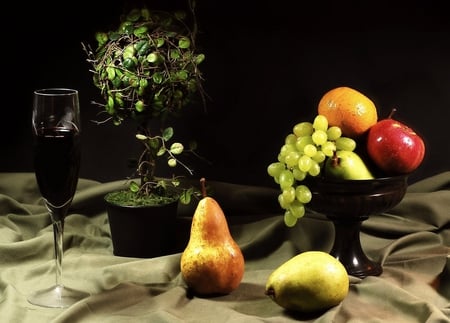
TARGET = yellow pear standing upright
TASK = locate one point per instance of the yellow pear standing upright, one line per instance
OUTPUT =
(212, 262)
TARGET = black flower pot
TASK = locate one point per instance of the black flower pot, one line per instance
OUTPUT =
(142, 231)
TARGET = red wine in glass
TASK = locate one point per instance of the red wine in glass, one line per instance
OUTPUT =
(56, 163)
(56, 134)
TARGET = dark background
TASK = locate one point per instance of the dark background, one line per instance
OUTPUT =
(267, 65)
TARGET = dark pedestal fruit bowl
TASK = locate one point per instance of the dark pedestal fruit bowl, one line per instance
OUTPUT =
(347, 203)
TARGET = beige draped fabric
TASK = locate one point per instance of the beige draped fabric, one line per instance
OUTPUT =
(412, 241)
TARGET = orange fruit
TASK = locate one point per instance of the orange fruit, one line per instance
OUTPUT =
(348, 109)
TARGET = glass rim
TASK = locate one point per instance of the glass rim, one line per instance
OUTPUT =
(55, 91)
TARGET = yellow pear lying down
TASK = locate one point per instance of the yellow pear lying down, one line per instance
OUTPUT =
(311, 281)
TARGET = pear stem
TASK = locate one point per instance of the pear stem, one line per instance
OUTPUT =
(203, 186)
(392, 113)
(334, 160)
(270, 292)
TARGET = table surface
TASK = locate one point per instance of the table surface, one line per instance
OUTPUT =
(411, 241)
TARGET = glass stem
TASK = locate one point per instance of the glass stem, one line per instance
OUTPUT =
(57, 215)
(58, 230)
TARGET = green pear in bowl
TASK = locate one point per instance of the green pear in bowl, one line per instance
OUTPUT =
(347, 165)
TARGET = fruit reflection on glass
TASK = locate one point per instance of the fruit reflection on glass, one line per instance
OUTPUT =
(341, 164)
(56, 134)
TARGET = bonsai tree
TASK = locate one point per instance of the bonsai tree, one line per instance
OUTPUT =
(147, 70)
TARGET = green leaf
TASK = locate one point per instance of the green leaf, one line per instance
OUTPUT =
(134, 81)
(139, 106)
(118, 100)
(157, 78)
(178, 94)
(192, 85)
(111, 72)
(139, 45)
(134, 187)
(114, 36)
(161, 151)
(199, 58)
(182, 75)
(185, 197)
(184, 42)
(176, 148)
(162, 183)
(128, 63)
(140, 31)
(142, 47)
(154, 143)
(110, 105)
(174, 54)
(153, 58)
(102, 38)
(116, 82)
(126, 28)
(140, 90)
(129, 51)
(160, 42)
(125, 80)
(134, 15)
(167, 133)
(172, 162)
(143, 82)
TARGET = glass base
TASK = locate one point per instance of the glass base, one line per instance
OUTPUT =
(56, 296)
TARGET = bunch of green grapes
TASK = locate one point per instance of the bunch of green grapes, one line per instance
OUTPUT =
(304, 153)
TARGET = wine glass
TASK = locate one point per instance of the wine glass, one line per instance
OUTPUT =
(56, 142)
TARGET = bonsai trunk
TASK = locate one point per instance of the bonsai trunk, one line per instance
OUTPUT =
(146, 167)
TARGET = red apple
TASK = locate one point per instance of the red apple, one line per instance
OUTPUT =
(394, 147)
